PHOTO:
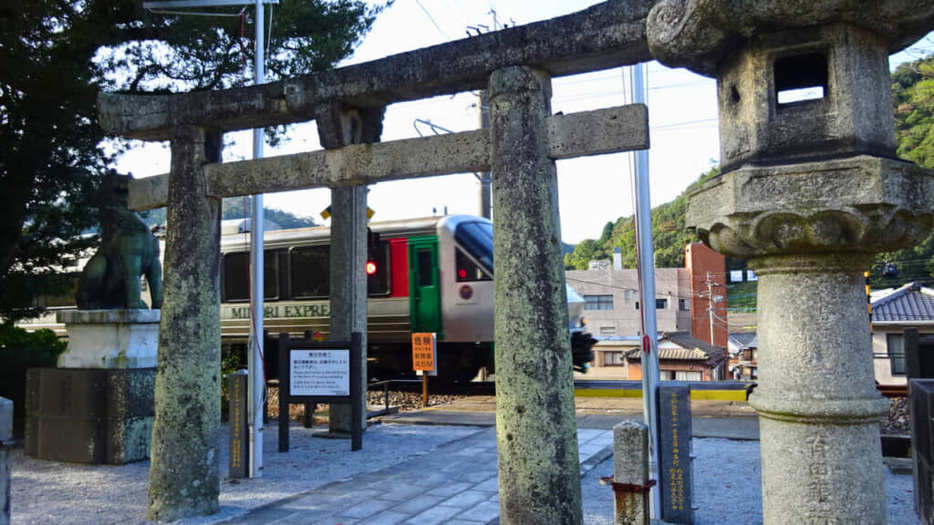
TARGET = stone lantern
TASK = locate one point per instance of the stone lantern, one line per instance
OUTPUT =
(810, 192)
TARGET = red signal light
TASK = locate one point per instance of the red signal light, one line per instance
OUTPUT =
(371, 267)
(462, 273)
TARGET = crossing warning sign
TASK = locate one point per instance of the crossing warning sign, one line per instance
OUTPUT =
(424, 351)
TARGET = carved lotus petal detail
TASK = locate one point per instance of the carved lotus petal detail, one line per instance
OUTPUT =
(831, 231)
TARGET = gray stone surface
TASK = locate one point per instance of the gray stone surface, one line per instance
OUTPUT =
(631, 466)
(110, 338)
(606, 35)
(596, 132)
(858, 204)
(184, 475)
(697, 34)
(535, 421)
(343, 127)
(6, 437)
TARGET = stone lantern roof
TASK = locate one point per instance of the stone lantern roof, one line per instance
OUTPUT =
(696, 34)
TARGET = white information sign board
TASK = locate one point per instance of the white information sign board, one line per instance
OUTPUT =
(324, 372)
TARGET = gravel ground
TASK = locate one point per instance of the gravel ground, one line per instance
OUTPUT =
(898, 421)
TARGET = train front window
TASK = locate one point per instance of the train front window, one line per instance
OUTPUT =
(311, 272)
(425, 265)
(476, 237)
(467, 270)
(236, 275)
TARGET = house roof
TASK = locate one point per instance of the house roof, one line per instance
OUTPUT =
(909, 303)
(744, 340)
(691, 349)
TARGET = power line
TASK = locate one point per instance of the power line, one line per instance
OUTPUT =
(433, 22)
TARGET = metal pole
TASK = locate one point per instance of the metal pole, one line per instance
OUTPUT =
(486, 180)
(710, 305)
(646, 263)
(257, 382)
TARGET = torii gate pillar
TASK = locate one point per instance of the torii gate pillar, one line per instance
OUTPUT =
(536, 427)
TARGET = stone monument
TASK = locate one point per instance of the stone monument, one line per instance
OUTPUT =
(97, 407)
(810, 191)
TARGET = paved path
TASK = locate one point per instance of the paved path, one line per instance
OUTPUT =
(454, 484)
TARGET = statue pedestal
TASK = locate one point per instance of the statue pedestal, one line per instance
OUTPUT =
(98, 406)
(110, 338)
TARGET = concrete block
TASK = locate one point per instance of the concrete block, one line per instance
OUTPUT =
(89, 415)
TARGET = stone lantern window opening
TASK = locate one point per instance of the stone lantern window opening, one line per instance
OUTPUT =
(800, 80)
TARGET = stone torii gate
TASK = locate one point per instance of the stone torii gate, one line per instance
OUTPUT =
(538, 457)
(810, 192)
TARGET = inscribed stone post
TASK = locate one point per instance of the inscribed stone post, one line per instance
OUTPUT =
(676, 479)
(631, 473)
(338, 127)
(539, 480)
(184, 474)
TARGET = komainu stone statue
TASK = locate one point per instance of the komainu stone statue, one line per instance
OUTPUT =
(111, 279)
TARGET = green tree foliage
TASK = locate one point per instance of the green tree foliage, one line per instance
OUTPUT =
(913, 96)
(20, 350)
(55, 56)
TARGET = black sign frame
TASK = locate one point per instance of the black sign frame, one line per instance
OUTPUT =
(355, 399)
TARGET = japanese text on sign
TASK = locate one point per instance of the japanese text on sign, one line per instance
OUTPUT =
(319, 372)
(423, 351)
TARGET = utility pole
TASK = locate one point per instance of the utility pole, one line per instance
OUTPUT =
(711, 299)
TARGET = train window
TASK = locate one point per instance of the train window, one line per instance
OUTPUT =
(378, 282)
(467, 270)
(425, 268)
(477, 239)
(311, 271)
(236, 276)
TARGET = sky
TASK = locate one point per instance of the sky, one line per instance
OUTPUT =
(591, 191)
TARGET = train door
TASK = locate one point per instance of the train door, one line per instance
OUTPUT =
(425, 285)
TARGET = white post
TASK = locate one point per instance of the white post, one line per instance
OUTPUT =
(257, 383)
(646, 270)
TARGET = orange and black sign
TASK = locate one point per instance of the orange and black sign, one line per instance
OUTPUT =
(423, 351)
